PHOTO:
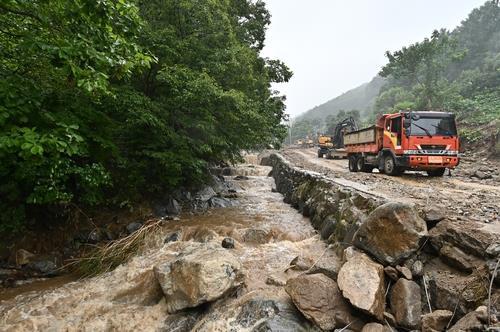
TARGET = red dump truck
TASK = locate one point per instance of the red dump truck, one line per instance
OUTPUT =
(423, 141)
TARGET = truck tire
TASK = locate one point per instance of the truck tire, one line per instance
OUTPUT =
(320, 154)
(390, 167)
(362, 166)
(436, 172)
(353, 167)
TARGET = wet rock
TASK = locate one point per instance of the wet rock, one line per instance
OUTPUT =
(391, 273)
(471, 237)
(220, 202)
(455, 257)
(472, 322)
(405, 272)
(449, 291)
(433, 216)
(172, 237)
(406, 304)
(173, 207)
(320, 300)
(362, 283)
(375, 327)
(482, 175)
(205, 194)
(391, 233)
(202, 273)
(329, 264)
(255, 310)
(133, 227)
(493, 249)
(228, 243)
(270, 315)
(417, 269)
(241, 178)
(328, 227)
(181, 322)
(301, 263)
(436, 321)
(256, 236)
(23, 257)
(43, 267)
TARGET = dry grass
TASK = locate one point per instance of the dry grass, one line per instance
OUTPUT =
(107, 257)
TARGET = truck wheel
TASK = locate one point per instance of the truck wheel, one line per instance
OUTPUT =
(436, 172)
(353, 167)
(362, 166)
(320, 155)
(390, 167)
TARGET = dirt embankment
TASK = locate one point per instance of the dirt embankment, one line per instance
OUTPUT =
(471, 193)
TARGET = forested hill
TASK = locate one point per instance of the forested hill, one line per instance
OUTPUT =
(360, 98)
(456, 71)
(108, 102)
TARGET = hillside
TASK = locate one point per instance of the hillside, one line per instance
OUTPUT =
(360, 98)
(455, 71)
(356, 102)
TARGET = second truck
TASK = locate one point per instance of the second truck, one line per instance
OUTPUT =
(422, 141)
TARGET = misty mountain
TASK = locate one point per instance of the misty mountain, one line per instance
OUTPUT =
(360, 98)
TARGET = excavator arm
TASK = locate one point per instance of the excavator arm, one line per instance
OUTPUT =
(345, 126)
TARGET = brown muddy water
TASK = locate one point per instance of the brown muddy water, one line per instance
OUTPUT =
(268, 235)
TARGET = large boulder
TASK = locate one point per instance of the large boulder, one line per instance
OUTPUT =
(362, 283)
(254, 312)
(319, 299)
(202, 273)
(473, 238)
(455, 257)
(457, 293)
(436, 321)
(391, 233)
(475, 321)
(375, 327)
(406, 303)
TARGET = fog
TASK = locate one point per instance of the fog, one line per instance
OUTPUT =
(333, 46)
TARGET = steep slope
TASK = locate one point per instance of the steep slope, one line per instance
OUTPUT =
(360, 98)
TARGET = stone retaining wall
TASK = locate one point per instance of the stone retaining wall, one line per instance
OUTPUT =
(335, 210)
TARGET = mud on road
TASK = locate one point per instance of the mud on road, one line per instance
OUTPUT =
(463, 195)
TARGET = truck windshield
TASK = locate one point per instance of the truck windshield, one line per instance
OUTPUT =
(433, 126)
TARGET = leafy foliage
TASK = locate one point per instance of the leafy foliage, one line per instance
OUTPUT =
(456, 71)
(105, 101)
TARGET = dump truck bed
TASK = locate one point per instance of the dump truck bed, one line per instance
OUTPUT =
(364, 140)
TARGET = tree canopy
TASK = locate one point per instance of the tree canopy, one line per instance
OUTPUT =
(457, 71)
(103, 102)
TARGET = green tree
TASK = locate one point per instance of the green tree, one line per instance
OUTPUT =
(105, 101)
(422, 65)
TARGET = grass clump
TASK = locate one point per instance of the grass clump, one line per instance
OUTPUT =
(105, 258)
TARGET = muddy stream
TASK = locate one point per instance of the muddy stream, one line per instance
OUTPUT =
(268, 234)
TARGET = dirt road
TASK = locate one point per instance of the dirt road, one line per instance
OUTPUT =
(461, 196)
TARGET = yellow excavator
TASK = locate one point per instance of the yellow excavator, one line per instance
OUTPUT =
(333, 146)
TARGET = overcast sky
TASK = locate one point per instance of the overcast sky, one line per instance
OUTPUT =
(335, 45)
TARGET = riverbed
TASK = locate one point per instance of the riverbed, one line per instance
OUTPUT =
(268, 235)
